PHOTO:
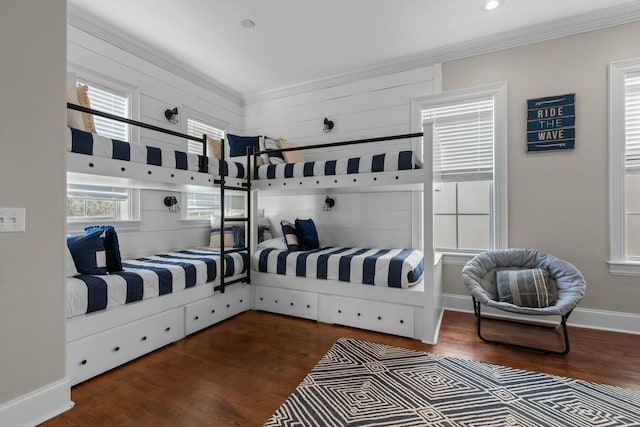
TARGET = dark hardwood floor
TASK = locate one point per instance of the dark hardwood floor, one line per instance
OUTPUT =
(238, 372)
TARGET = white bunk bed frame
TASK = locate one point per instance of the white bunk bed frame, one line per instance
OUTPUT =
(414, 312)
(102, 340)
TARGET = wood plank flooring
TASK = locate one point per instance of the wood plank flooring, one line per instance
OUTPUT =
(237, 373)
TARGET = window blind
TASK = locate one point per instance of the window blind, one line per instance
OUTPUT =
(113, 103)
(201, 205)
(464, 143)
(197, 129)
(94, 192)
(632, 121)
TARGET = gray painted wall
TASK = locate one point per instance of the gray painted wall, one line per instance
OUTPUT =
(32, 175)
(558, 201)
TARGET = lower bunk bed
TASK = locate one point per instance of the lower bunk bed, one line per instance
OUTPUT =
(382, 290)
(156, 300)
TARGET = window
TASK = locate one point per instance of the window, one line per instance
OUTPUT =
(113, 102)
(198, 129)
(91, 202)
(469, 155)
(624, 167)
(206, 205)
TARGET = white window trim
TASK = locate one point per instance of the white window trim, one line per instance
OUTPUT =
(500, 208)
(132, 224)
(618, 264)
(78, 72)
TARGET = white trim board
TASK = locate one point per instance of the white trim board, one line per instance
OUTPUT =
(37, 406)
(612, 321)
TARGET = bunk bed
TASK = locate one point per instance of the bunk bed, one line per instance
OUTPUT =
(161, 297)
(323, 284)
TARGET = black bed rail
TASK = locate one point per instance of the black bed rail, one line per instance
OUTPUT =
(339, 144)
(202, 140)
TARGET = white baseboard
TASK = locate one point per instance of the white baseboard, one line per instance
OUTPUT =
(38, 406)
(613, 321)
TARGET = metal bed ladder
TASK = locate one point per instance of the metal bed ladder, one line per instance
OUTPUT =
(246, 188)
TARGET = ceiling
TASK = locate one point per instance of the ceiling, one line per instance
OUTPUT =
(296, 41)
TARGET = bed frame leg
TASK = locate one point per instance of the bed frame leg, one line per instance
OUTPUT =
(563, 322)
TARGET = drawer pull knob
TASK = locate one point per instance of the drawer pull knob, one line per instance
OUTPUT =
(339, 311)
(358, 314)
(116, 349)
(241, 301)
(144, 338)
(276, 301)
(379, 317)
(401, 321)
(167, 329)
(196, 317)
(227, 305)
(213, 311)
(308, 306)
(291, 304)
(84, 362)
(261, 298)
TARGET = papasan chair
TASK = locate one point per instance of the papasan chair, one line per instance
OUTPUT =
(526, 282)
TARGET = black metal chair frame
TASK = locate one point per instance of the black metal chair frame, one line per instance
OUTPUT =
(563, 322)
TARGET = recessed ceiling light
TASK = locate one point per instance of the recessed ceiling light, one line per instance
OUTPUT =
(491, 4)
(247, 23)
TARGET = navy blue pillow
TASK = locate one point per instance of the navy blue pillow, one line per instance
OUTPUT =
(111, 246)
(88, 253)
(238, 144)
(307, 234)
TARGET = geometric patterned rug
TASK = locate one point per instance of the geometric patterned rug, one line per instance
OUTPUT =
(360, 383)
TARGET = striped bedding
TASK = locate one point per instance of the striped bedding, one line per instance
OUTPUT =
(148, 277)
(95, 145)
(402, 160)
(396, 268)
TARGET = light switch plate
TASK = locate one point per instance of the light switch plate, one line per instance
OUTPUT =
(12, 220)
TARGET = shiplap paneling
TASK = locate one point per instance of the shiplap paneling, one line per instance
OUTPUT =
(357, 219)
(159, 229)
(368, 108)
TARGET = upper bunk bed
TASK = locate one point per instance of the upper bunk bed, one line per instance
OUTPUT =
(113, 162)
(284, 167)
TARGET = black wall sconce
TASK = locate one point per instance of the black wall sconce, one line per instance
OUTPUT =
(328, 203)
(328, 125)
(172, 203)
(172, 115)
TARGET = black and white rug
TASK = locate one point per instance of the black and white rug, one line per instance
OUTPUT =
(359, 383)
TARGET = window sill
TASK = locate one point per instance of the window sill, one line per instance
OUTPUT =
(624, 268)
(79, 226)
(456, 258)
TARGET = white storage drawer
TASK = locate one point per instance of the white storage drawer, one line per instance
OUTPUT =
(286, 301)
(90, 356)
(372, 315)
(216, 308)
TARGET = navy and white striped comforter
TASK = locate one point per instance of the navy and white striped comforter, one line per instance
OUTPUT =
(92, 144)
(148, 277)
(402, 160)
(397, 268)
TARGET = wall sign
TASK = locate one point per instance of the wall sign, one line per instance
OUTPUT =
(551, 123)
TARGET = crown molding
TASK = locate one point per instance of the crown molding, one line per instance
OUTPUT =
(623, 14)
(91, 24)
(618, 15)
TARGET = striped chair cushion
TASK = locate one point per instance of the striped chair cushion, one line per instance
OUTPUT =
(525, 288)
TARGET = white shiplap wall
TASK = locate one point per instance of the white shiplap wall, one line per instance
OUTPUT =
(158, 90)
(366, 108)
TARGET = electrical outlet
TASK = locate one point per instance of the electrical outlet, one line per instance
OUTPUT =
(12, 220)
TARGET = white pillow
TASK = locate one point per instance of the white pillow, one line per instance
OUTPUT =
(70, 266)
(277, 243)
